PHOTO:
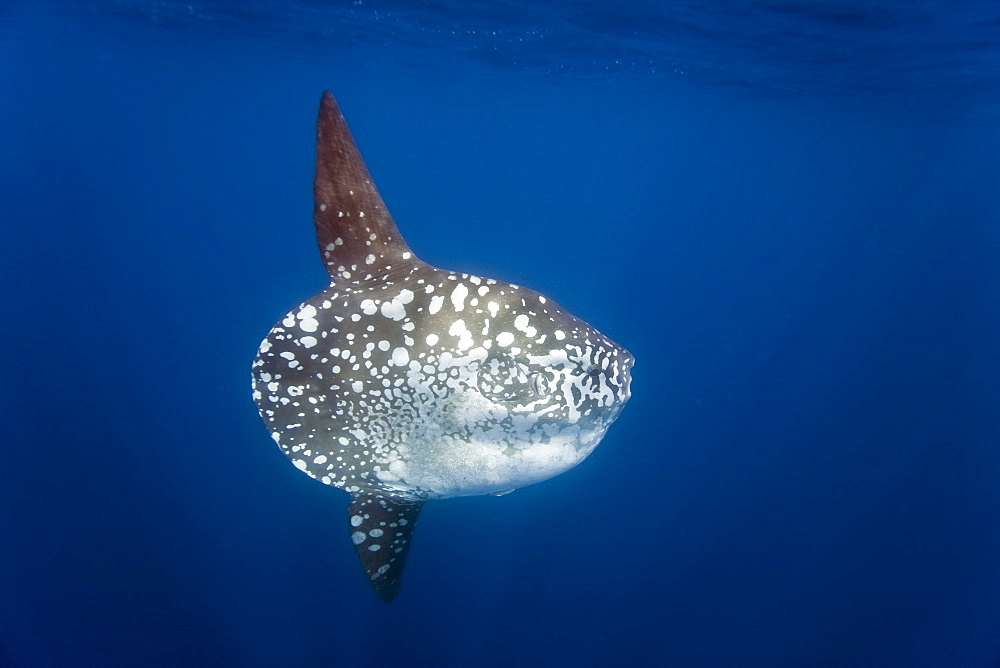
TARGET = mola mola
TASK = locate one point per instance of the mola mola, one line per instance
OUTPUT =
(401, 382)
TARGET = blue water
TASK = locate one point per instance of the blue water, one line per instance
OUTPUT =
(788, 212)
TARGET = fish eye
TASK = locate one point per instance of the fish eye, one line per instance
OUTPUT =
(539, 384)
(502, 378)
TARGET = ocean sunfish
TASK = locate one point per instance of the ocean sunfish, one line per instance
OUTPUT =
(401, 382)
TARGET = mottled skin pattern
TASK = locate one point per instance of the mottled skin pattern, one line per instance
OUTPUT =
(402, 382)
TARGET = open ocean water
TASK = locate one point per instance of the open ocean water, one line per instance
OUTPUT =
(789, 212)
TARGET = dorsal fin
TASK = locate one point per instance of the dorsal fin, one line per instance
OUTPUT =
(357, 237)
(381, 529)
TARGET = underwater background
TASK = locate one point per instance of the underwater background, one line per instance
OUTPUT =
(789, 212)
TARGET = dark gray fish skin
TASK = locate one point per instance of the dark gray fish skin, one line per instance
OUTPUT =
(402, 382)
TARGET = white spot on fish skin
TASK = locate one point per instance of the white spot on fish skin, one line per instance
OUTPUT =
(521, 323)
(320, 459)
(400, 357)
(338, 241)
(494, 309)
(370, 259)
(383, 345)
(404, 296)
(357, 386)
(374, 548)
(459, 329)
(376, 533)
(358, 537)
(432, 339)
(505, 339)
(356, 520)
(322, 207)
(308, 341)
(437, 301)
(307, 318)
(394, 310)
(368, 307)
(560, 335)
(458, 296)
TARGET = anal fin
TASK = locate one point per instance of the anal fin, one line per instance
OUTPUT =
(381, 528)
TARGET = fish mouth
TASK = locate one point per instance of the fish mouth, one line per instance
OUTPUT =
(626, 374)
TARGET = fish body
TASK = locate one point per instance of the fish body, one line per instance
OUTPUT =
(402, 382)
